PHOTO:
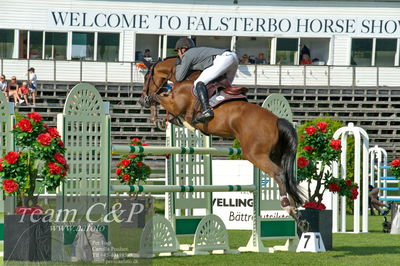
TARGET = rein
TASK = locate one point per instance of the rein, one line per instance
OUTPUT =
(155, 95)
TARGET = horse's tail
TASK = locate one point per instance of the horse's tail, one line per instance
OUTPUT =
(288, 146)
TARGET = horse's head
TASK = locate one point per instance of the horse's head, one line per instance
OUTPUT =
(155, 81)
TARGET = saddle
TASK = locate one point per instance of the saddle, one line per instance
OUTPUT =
(220, 91)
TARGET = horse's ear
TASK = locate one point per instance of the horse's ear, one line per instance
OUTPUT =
(147, 63)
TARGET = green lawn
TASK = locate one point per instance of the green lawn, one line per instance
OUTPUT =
(374, 248)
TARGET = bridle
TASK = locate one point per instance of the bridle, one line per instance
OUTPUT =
(150, 98)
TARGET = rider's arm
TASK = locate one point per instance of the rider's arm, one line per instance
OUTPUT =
(374, 192)
(182, 68)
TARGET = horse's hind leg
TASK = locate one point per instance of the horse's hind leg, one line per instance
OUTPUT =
(264, 163)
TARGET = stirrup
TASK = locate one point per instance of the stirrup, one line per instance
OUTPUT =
(205, 116)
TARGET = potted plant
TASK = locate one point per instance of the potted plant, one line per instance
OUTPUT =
(37, 163)
(317, 152)
(130, 171)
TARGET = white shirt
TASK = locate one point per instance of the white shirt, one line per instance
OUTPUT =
(3, 86)
(33, 79)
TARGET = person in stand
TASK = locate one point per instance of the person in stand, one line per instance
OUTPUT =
(32, 84)
(23, 91)
(147, 55)
(212, 62)
(13, 90)
(305, 60)
(4, 86)
(375, 203)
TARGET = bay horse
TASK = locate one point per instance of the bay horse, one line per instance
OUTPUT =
(268, 142)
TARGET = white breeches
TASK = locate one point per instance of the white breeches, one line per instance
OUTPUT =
(226, 63)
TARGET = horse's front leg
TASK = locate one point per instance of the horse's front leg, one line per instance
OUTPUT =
(159, 123)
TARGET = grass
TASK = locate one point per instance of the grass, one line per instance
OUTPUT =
(374, 248)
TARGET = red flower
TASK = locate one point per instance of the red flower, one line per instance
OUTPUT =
(59, 158)
(125, 162)
(314, 205)
(336, 144)
(145, 144)
(53, 132)
(135, 140)
(322, 126)
(10, 186)
(126, 177)
(44, 139)
(308, 148)
(354, 193)
(1, 165)
(54, 168)
(118, 171)
(12, 157)
(348, 182)
(60, 143)
(132, 155)
(310, 130)
(395, 163)
(334, 187)
(302, 162)
(35, 117)
(25, 125)
(139, 164)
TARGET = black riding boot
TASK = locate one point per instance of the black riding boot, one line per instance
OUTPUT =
(206, 111)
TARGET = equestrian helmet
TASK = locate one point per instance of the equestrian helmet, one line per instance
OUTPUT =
(184, 43)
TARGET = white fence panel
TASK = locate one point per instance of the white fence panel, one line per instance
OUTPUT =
(292, 75)
(245, 75)
(68, 71)
(317, 75)
(119, 72)
(366, 76)
(16, 68)
(44, 69)
(341, 76)
(267, 75)
(389, 76)
(94, 72)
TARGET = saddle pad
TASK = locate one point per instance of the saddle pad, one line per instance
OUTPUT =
(222, 97)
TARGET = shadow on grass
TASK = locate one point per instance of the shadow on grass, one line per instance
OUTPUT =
(366, 251)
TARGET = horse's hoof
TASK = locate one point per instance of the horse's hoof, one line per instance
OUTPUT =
(161, 124)
(304, 226)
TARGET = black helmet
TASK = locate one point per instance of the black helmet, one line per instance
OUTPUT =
(184, 43)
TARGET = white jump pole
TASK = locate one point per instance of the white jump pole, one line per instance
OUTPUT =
(378, 158)
(361, 139)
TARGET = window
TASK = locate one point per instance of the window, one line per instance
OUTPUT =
(287, 51)
(253, 49)
(150, 43)
(6, 43)
(23, 44)
(108, 47)
(82, 46)
(361, 52)
(35, 44)
(55, 45)
(223, 42)
(385, 52)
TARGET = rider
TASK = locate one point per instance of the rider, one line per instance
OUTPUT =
(212, 62)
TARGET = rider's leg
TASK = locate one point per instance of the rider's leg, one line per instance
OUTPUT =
(206, 111)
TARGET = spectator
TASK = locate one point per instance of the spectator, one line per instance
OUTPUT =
(375, 203)
(316, 61)
(147, 55)
(245, 59)
(261, 59)
(305, 60)
(32, 84)
(13, 90)
(23, 91)
(3, 86)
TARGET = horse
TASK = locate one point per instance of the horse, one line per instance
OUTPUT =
(268, 142)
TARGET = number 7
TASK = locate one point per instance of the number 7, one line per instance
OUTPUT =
(308, 238)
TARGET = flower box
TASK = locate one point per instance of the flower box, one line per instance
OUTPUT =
(320, 221)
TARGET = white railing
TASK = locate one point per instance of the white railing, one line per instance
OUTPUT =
(248, 75)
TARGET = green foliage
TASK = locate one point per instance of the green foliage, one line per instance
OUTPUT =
(236, 144)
